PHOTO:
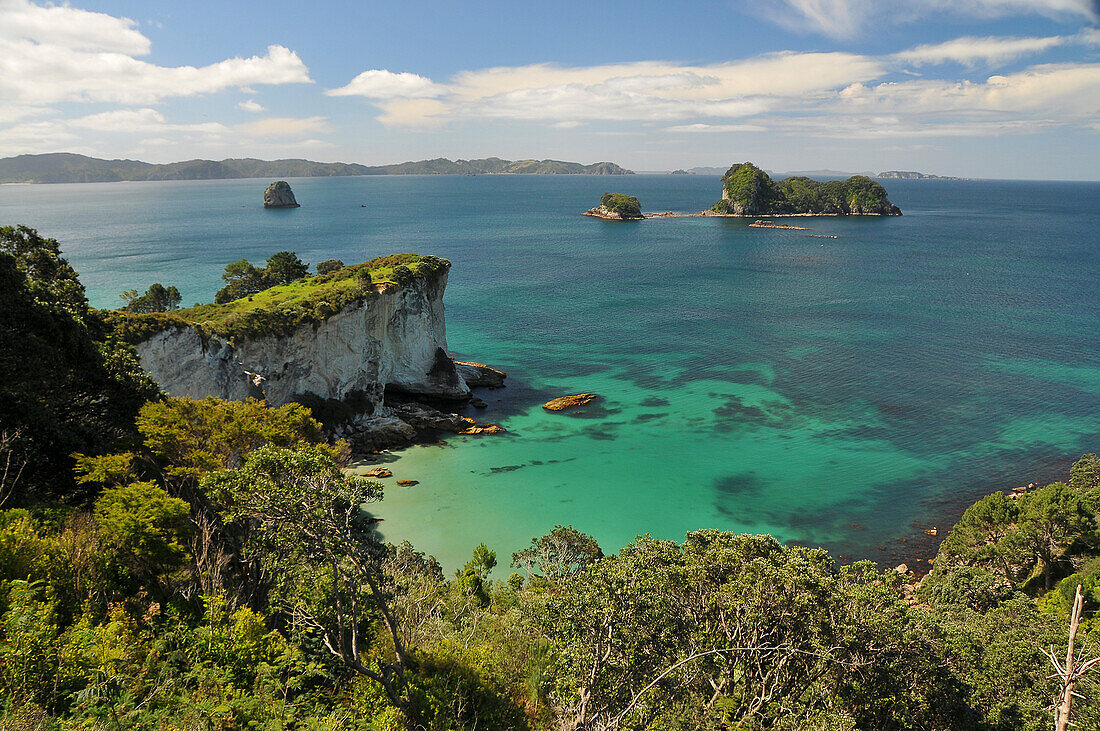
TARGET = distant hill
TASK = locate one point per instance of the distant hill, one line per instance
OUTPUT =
(911, 175)
(65, 167)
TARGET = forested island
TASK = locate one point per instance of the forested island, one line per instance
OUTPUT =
(178, 563)
(749, 191)
(617, 207)
(64, 167)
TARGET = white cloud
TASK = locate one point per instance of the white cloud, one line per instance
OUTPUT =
(251, 105)
(57, 53)
(715, 128)
(422, 113)
(284, 126)
(643, 91)
(382, 84)
(847, 18)
(42, 74)
(139, 120)
(53, 135)
(970, 51)
(61, 25)
(1067, 92)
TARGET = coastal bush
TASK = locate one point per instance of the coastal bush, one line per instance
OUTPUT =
(134, 328)
(625, 205)
(85, 386)
(157, 298)
(328, 266)
(280, 310)
(242, 279)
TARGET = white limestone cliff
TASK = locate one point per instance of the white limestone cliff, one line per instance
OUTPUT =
(395, 339)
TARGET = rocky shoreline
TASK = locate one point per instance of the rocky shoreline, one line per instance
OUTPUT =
(607, 215)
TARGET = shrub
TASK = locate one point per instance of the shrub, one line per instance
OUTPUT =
(328, 266)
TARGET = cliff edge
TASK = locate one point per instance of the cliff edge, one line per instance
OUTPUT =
(351, 343)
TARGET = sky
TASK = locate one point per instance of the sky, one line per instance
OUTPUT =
(973, 88)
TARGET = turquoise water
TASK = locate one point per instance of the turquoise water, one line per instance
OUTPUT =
(847, 392)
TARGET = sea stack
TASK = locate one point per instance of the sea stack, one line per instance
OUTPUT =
(279, 195)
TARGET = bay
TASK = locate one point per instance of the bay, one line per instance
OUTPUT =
(849, 391)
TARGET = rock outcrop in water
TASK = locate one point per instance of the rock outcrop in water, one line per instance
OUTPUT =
(389, 345)
(279, 195)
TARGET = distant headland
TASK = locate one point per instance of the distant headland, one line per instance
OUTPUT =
(912, 175)
(65, 167)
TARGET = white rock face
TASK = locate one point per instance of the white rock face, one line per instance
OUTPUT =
(394, 339)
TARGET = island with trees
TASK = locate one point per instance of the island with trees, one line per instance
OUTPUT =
(617, 207)
(749, 191)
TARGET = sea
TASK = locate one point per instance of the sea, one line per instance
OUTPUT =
(854, 386)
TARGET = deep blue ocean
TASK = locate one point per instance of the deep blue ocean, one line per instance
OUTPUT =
(849, 391)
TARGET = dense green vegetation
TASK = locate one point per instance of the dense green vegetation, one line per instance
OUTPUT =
(294, 298)
(215, 567)
(242, 279)
(749, 191)
(157, 298)
(65, 167)
(66, 384)
(626, 206)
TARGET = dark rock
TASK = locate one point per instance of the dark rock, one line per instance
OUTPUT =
(279, 195)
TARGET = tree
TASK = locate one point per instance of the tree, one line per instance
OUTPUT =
(1051, 520)
(328, 266)
(986, 537)
(146, 528)
(284, 267)
(189, 438)
(310, 529)
(157, 298)
(84, 388)
(558, 556)
(241, 280)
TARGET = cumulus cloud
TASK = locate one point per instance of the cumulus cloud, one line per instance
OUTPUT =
(383, 84)
(41, 74)
(643, 91)
(72, 28)
(251, 105)
(847, 18)
(971, 51)
(53, 54)
(800, 94)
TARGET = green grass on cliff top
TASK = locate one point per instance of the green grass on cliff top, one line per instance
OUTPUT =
(280, 310)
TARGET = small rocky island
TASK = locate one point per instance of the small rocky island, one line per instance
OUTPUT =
(617, 207)
(279, 195)
(749, 191)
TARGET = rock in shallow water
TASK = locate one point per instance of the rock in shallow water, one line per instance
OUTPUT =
(279, 195)
(569, 402)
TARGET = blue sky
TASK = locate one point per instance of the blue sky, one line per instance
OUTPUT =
(983, 88)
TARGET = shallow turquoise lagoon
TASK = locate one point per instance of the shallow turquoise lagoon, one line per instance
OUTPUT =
(849, 392)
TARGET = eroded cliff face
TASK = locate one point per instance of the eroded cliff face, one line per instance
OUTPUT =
(396, 339)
